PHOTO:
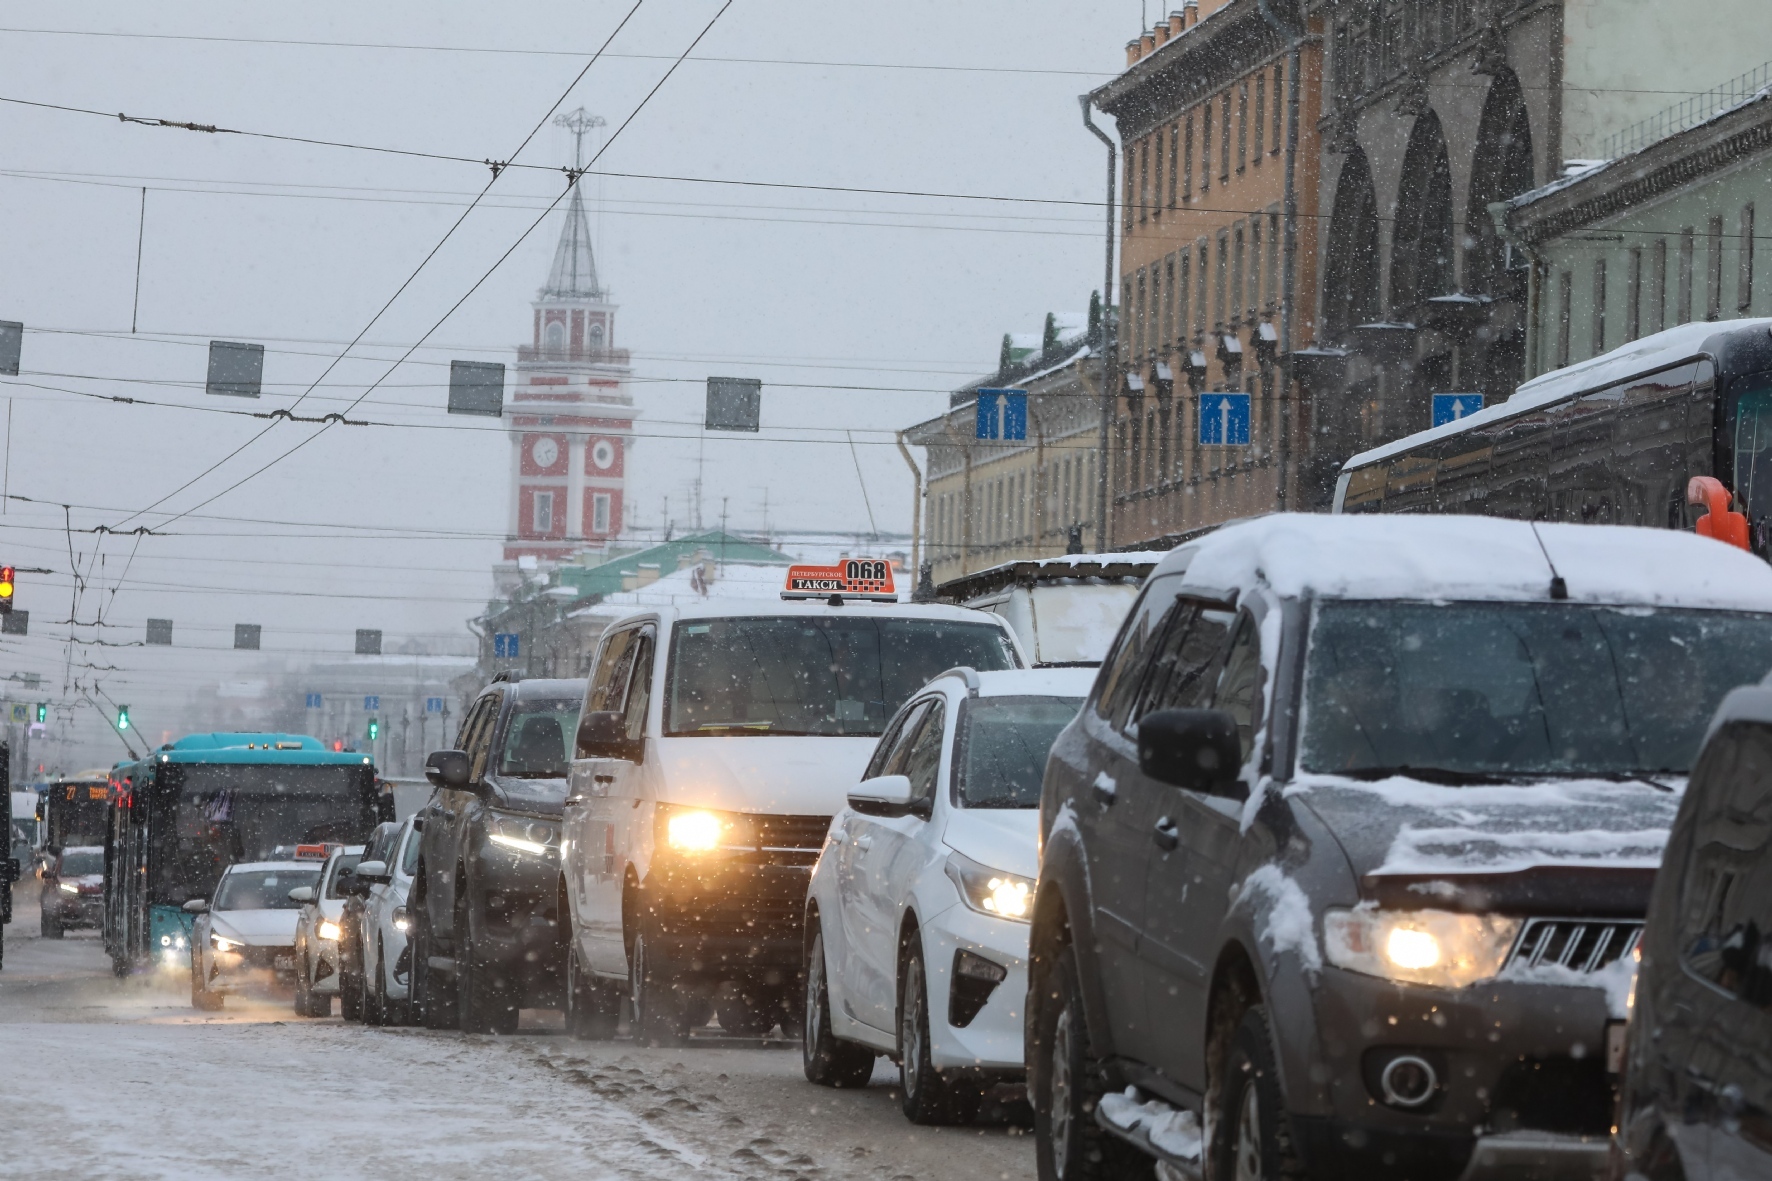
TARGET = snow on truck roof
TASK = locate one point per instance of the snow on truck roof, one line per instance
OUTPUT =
(1682, 343)
(1465, 557)
(758, 608)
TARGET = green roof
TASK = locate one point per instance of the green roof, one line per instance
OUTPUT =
(607, 578)
(223, 747)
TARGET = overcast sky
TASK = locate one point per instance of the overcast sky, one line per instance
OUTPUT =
(297, 246)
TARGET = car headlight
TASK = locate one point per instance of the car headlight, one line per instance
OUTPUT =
(67, 887)
(328, 929)
(1435, 947)
(223, 943)
(401, 921)
(522, 834)
(700, 830)
(992, 891)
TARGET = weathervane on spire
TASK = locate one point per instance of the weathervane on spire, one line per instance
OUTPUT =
(578, 122)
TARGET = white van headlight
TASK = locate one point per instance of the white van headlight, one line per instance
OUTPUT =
(698, 831)
(1436, 947)
(992, 891)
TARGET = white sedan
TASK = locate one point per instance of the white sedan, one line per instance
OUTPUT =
(246, 933)
(317, 932)
(387, 960)
(917, 915)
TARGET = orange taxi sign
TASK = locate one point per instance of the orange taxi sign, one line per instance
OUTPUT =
(852, 578)
(317, 852)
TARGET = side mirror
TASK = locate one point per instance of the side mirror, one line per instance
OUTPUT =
(372, 871)
(196, 906)
(302, 894)
(448, 769)
(883, 795)
(604, 735)
(1194, 749)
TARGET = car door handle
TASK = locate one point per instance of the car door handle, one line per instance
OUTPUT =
(1166, 834)
(864, 841)
(574, 801)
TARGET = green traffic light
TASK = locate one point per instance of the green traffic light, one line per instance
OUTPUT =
(374, 729)
(122, 717)
(42, 712)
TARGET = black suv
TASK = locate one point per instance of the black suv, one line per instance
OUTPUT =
(489, 936)
(1697, 1096)
(1346, 855)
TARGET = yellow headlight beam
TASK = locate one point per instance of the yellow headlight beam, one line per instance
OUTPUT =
(694, 832)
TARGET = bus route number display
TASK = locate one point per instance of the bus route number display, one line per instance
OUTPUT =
(853, 578)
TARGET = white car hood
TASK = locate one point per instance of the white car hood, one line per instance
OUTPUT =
(792, 776)
(1001, 838)
(258, 928)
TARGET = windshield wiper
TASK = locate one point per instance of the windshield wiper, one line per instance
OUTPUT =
(1442, 775)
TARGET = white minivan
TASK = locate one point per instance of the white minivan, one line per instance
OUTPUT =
(716, 742)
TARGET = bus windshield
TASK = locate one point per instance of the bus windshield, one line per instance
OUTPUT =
(1751, 438)
(75, 813)
(814, 674)
(227, 813)
(1460, 692)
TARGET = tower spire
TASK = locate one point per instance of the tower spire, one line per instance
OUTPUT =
(574, 273)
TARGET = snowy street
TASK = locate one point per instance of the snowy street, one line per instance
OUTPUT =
(106, 1078)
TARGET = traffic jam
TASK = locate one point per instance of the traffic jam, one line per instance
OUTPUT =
(1337, 856)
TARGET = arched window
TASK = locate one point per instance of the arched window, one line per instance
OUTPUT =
(554, 337)
(1501, 168)
(1421, 254)
(1350, 294)
(596, 338)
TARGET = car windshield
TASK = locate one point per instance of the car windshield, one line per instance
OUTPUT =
(262, 889)
(536, 744)
(1000, 751)
(834, 675)
(345, 863)
(79, 862)
(1487, 691)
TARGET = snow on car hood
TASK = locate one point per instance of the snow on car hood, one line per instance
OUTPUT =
(537, 797)
(1403, 827)
(788, 776)
(260, 928)
(1001, 838)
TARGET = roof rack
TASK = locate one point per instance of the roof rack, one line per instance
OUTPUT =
(966, 673)
(510, 675)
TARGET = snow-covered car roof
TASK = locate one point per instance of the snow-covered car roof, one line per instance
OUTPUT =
(83, 849)
(755, 608)
(1036, 682)
(254, 865)
(1747, 703)
(1377, 556)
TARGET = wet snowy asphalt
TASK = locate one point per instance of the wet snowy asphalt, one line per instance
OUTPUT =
(107, 1078)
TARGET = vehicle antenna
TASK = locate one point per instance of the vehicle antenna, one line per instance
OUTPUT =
(1559, 588)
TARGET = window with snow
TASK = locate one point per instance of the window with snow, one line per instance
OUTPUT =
(543, 521)
(600, 513)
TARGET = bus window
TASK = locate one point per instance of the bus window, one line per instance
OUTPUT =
(1751, 439)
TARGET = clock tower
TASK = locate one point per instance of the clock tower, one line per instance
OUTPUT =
(570, 415)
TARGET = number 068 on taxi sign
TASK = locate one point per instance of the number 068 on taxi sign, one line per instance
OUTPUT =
(852, 578)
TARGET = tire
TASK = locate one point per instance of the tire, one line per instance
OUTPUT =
(201, 997)
(436, 996)
(593, 1008)
(659, 1016)
(926, 1096)
(1255, 1136)
(485, 1006)
(1068, 1144)
(828, 1060)
(375, 997)
(749, 1012)
(319, 1004)
(350, 995)
(303, 991)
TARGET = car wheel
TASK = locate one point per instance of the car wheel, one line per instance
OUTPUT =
(749, 1011)
(485, 1006)
(375, 999)
(303, 991)
(926, 1096)
(592, 1009)
(828, 1060)
(437, 1007)
(201, 997)
(1254, 1141)
(1068, 1144)
(659, 1017)
(393, 1012)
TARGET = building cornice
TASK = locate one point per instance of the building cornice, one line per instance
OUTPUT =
(1223, 46)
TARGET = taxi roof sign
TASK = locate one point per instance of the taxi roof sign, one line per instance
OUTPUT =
(852, 578)
(317, 852)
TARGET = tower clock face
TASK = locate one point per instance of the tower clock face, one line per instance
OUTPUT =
(543, 452)
(603, 454)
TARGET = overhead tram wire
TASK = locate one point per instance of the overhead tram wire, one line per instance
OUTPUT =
(429, 332)
(497, 171)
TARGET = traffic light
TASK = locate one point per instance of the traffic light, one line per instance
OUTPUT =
(374, 729)
(6, 588)
(122, 717)
(42, 712)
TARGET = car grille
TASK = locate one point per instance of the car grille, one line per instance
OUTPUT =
(791, 840)
(761, 917)
(1579, 945)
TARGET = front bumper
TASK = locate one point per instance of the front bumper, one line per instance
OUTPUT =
(726, 917)
(991, 1040)
(230, 971)
(1523, 1063)
(516, 897)
(326, 961)
(76, 910)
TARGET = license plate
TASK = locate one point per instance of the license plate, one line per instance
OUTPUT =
(1615, 1047)
(283, 962)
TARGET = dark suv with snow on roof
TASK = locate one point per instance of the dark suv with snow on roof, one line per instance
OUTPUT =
(1345, 859)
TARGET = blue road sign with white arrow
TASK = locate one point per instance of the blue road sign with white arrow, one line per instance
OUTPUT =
(371, 704)
(314, 701)
(1452, 407)
(433, 705)
(504, 645)
(1002, 414)
(1224, 420)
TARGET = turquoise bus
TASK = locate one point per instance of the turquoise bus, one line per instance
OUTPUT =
(182, 814)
